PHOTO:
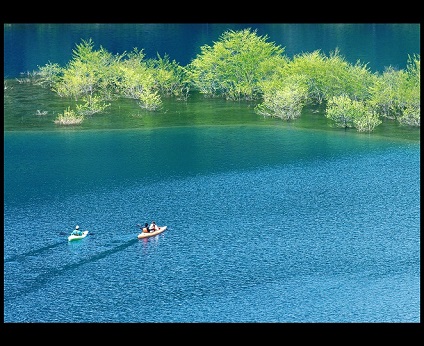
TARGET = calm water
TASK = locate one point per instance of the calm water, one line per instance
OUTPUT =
(266, 224)
(268, 221)
(27, 46)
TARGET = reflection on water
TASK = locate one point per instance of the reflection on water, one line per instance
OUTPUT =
(20, 114)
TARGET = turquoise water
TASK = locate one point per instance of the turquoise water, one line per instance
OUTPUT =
(267, 221)
(265, 224)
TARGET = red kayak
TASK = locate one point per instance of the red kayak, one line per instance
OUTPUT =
(151, 234)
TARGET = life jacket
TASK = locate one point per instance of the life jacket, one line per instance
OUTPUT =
(145, 230)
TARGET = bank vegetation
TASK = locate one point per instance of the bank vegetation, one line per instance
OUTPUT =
(240, 66)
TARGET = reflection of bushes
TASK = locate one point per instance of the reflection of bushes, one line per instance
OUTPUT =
(92, 105)
(69, 117)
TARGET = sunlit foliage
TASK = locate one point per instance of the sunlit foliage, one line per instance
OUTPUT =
(346, 113)
(283, 97)
(240, 66)
(234, 66)
(396, 93)
(170, 78)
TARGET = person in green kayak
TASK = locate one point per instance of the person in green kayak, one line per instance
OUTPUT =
(76, 231)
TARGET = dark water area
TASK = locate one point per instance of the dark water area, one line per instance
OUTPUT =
(27, 46)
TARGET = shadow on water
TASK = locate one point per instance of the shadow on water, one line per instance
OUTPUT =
(42, 279)
(23, 256)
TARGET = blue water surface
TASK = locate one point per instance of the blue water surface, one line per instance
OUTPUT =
(265, 224)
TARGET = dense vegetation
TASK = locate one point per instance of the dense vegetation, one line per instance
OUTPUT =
(240, 66)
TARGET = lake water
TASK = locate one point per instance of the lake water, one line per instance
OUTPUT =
(266, 224)
(268, 221)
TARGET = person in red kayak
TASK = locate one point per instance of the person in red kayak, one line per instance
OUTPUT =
(145, 229)
(153, 227)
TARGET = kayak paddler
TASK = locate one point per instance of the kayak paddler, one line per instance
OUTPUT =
(76, 231)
